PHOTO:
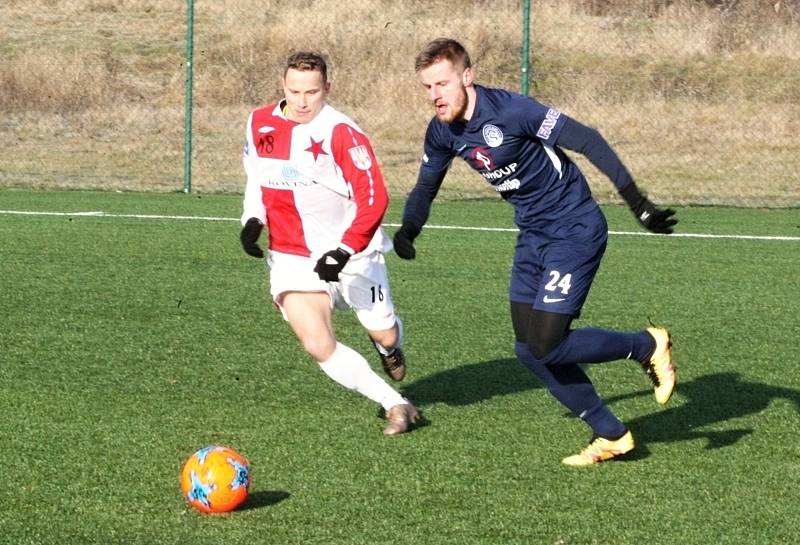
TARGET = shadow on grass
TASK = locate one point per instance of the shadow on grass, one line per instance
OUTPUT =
(472, 383)
(711, 400)
(264, 498)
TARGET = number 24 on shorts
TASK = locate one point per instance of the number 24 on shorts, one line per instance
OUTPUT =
(557, 281)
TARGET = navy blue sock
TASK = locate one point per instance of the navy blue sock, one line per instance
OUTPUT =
(604, 423)
(570, 386)
(591, 345)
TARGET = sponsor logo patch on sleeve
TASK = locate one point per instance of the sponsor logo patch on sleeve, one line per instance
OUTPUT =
(360, 157)
(548, 124)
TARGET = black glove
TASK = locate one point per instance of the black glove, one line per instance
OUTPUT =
(404, 241)
(249, 237)
(331, 264)
(652, 218)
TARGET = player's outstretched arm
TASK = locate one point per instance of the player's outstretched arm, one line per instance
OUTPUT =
(418, 209)
(589, 142)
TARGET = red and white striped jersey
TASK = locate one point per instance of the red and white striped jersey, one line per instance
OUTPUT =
(316, 186)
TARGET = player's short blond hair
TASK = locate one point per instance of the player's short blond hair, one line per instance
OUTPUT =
(443, 49)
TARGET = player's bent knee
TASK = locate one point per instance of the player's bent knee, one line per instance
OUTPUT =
(541, 348)
(387, 338)
(546, 332)
(319, 349)
(524, 353)
(534, 365)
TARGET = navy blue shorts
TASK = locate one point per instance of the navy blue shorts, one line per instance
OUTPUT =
(553, 271)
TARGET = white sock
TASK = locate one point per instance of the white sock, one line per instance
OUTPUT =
(351, 370)
(399, 344)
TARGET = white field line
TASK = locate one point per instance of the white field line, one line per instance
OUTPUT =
(632, 233)
(106, 215)
(101, 214)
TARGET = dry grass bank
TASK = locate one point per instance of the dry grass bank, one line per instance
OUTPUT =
(700, 97)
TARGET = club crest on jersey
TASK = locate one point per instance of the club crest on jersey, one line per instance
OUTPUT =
(360, 157)
(492, 135)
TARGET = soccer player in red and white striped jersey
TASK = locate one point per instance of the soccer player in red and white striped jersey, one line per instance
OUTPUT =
(314, 184)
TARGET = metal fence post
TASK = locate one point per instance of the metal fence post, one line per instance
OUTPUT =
(187, 119)
(526, 42)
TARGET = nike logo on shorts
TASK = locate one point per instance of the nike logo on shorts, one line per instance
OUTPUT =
(548, 299)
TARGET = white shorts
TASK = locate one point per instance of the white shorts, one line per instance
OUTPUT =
(363, 286)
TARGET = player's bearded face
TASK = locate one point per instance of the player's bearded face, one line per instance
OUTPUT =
(305, 93)
(446, 89)
(453, 110)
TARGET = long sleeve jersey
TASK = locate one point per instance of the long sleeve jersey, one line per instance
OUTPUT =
(317, 185)
(514, 142)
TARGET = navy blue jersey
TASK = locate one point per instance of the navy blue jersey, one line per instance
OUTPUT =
(512, 141)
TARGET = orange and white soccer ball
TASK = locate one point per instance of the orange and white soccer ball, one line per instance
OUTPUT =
(215, 479)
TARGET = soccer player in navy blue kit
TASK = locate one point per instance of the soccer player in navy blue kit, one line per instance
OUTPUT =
(515, 143)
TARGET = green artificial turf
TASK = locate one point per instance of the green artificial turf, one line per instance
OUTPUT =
(129, 342)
